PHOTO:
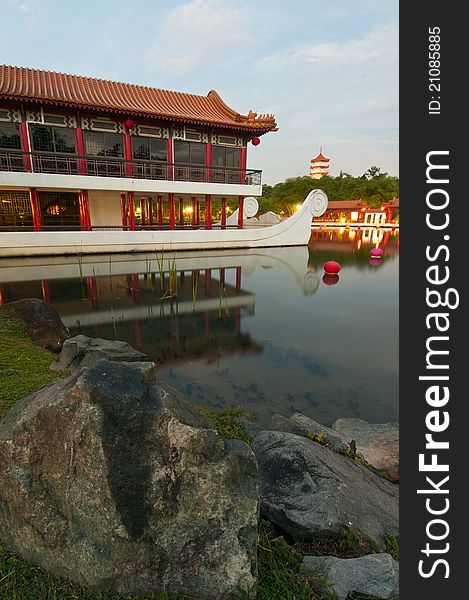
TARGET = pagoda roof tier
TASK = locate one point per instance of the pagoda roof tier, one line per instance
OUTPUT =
(60, 89)
(320, 157)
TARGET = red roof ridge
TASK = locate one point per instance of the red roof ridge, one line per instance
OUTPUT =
(64, 88)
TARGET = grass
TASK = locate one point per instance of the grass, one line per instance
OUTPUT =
(226, 422)
(21, 580)
(24, 366)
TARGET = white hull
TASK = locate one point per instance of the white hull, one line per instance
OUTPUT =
(293, 231)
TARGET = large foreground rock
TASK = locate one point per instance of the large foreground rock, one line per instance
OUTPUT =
(82, 351)
(40, 320)
(376, 575)
(308, 490)
(111, 479)
(309, 428)
(378, 443)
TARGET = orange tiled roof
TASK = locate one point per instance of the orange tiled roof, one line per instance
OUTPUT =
(320, 158)
(59, 89)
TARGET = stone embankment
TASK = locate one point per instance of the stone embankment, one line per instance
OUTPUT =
(111, 478)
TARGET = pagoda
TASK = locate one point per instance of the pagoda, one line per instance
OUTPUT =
(319, 166)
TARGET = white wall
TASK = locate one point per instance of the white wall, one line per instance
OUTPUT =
(105, 208)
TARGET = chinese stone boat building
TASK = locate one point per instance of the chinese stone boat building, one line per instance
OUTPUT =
(97, 157)
(70, 146)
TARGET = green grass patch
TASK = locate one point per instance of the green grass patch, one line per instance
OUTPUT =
(24, 366)
(226, 422)
(278, 566)
(21, 580)
(392, 546)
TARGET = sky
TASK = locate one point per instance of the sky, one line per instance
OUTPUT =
(327, 70)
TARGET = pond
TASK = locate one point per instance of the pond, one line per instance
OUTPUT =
(257, 328)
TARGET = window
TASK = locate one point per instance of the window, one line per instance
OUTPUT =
(10, 136)
(191, 153)
(223, 156)
(53, 139)
(60, 210)
(15, 211)
(149, 149)
(226, 163)
(103, 144)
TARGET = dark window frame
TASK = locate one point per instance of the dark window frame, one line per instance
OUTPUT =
(7, 147)
(56, 145)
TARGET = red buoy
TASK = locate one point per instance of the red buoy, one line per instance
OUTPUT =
(331, 267)
(330, 279)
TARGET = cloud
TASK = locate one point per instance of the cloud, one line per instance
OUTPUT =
(194, 33)
(377, 44)
(31, 11)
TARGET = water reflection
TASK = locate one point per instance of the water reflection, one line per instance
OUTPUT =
(261, 328)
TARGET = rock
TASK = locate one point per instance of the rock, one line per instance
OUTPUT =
(40, 320)
(269, 218)
(377, 443)
(305, 427)
(82, 351)
(308, 490)
(252, 428)
(376, 575)
(111, 478)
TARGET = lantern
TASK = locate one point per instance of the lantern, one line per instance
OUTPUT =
(129, 124)
(376, 253)
(331, 267)
(255, 141)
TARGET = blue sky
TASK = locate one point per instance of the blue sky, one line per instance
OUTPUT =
(327, 69)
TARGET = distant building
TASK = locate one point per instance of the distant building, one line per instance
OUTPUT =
(319, 166)
(356, 212)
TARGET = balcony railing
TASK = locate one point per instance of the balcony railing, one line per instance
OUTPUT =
(96, 166)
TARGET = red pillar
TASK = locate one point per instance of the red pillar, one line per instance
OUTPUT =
(159, 202)
(240, 212)
(2, 295)
(243, 159)
(181, 212)
(223, 213)
(222, 276)
(142, 211)
(80, 143)
(84, 208)
(150, 211)
(170, 159)
(135, 288)
(171, 211)
(35, 209)
(208, 161)
(87, 210)
(198, 213)
(124, 210)
(25, 146)
(91, 291)
(45, 290)
(208, 282)
(238, 279)
(129, 171)
(208, 212)
(130, 198)
(193, 214)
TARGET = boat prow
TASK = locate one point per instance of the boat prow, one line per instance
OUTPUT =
(292, 231)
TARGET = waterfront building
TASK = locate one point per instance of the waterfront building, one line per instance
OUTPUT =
(319, 166)
(355, 212)
(84, 154)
